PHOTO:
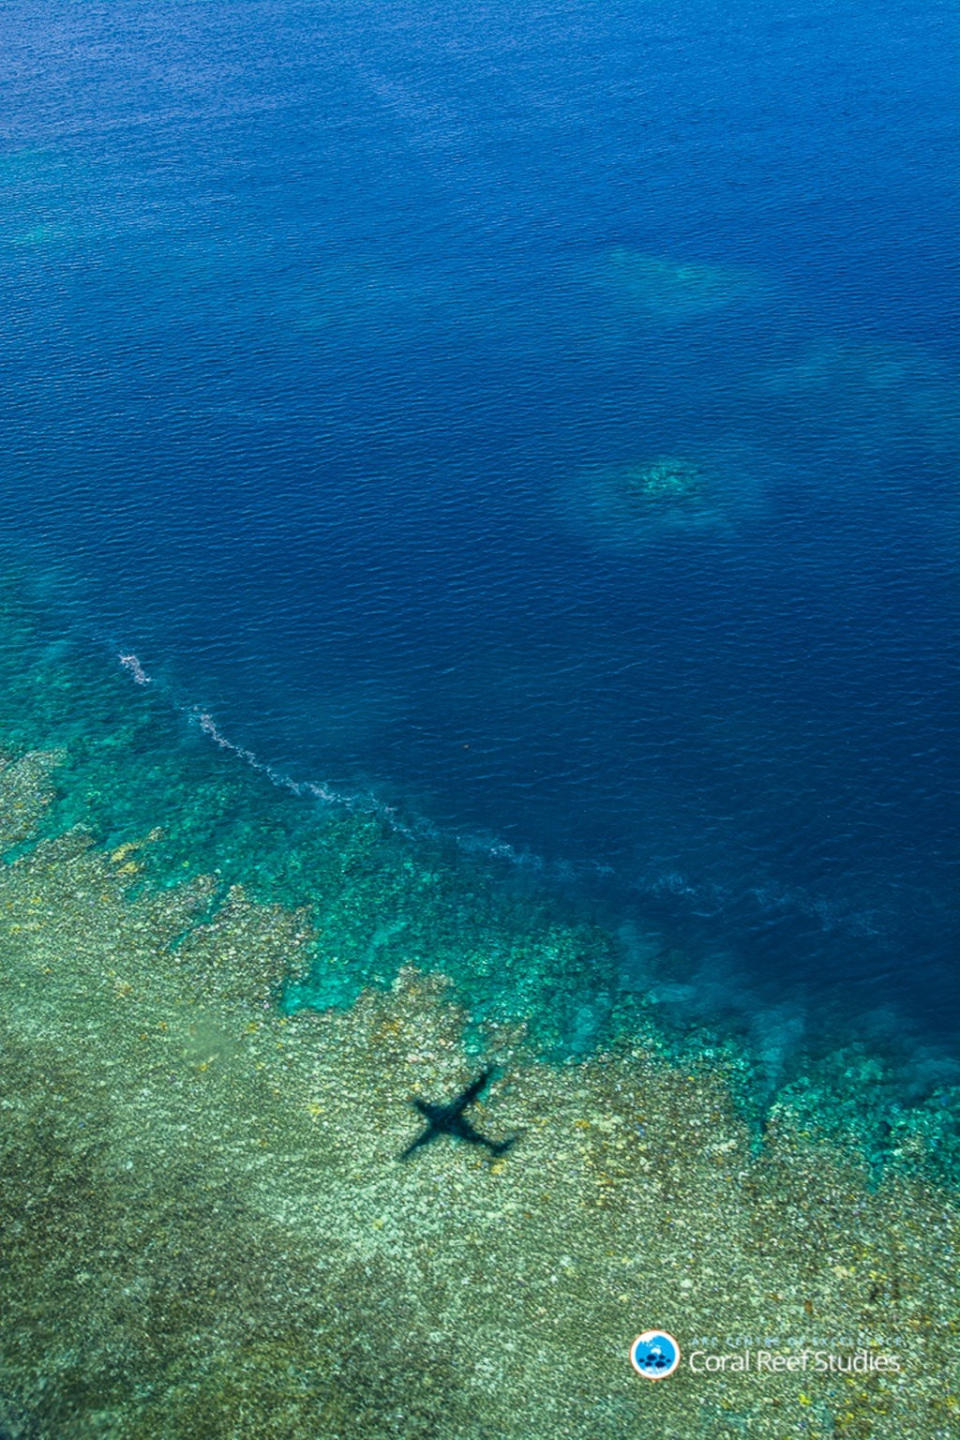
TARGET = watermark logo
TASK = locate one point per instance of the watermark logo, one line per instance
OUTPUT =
(655, 1354)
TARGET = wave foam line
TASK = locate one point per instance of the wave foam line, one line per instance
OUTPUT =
(365, 803)
(422, 829)
(133, 668)
(317, 790)
(708, 899)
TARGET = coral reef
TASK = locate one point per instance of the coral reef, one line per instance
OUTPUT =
(631, 506)
(209, 1232)
(662, 289)
(666, 482)
(869, 394)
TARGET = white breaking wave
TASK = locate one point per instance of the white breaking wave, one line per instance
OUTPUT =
(133, 667)
(368, 803)
(707, 897)
(317, 790)
(357, 803)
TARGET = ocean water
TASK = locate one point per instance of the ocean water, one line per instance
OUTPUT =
(535, 426)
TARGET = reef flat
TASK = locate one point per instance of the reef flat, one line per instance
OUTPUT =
(209, 1233)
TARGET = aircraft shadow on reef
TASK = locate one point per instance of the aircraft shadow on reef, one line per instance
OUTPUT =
(450, 1120)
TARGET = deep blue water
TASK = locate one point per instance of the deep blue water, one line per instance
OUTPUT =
(332, 335)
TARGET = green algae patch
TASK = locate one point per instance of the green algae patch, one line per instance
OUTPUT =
(208, 1231)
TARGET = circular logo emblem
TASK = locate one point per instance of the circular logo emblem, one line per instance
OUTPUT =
(655, 1354)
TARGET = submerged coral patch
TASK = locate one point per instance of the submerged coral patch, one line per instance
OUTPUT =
(663, 483)
(631, 506)
(870, 394)
(672, 291)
